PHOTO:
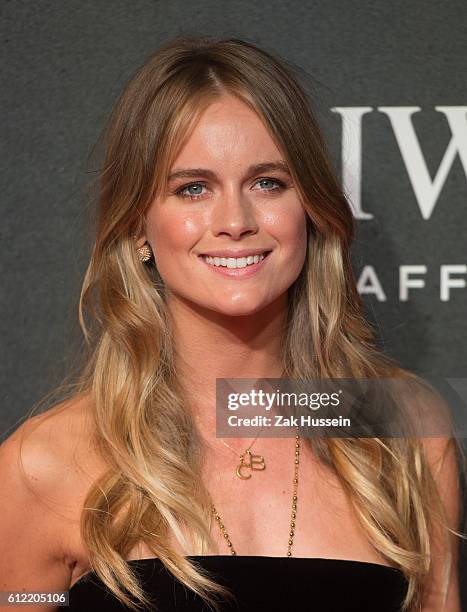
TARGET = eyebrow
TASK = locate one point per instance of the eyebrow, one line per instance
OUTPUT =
(280, 166)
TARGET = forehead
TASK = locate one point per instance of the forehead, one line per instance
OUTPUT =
(228, 130)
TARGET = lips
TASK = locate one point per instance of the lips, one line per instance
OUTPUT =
(235, 253)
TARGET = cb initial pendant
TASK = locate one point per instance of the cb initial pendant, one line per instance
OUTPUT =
(254, 462)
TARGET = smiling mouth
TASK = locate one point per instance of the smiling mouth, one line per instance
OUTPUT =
(234, 262)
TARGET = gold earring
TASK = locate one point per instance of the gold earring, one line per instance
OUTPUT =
(144, 253)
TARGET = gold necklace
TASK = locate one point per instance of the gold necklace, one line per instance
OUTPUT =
(253, 462)
(293, 515)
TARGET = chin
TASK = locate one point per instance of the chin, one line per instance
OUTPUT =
(237, 308)
(241, 304)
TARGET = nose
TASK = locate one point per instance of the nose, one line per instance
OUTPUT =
(233, 216)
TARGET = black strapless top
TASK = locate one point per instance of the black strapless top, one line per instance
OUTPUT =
(260, 583)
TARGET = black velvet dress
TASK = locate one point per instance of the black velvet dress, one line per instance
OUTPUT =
(260, 583)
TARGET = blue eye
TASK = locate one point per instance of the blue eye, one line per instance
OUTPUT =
(271, 180)
(185, 192)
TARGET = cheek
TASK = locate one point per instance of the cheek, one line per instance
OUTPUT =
(171, 234)
(288, 226)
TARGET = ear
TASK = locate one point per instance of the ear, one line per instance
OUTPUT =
(141, 241)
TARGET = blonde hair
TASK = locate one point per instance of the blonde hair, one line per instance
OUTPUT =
(142, 426)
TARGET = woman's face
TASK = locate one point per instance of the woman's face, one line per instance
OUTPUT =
(230, 234)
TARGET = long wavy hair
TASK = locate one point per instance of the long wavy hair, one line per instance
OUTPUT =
(152, 489)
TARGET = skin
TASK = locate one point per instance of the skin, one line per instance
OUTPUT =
(234, 208)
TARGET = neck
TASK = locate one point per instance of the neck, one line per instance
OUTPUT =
(210, 345)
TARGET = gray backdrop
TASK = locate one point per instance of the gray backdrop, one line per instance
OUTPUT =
(389, 84)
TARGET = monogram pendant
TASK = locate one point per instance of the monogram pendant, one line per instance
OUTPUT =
(253, 462)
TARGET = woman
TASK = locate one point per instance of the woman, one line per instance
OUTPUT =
(221, 251)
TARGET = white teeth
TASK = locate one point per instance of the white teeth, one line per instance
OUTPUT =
(233, 262)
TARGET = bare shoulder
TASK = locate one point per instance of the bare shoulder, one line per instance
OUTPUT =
(423, 407)
(46, 468)
(51, 452)
(443, 450)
